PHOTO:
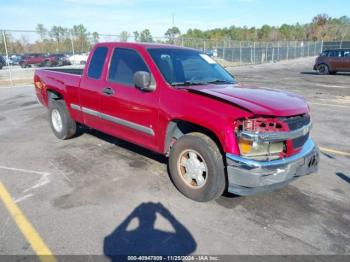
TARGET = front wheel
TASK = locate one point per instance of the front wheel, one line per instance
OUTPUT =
(197, 167)
(62, 125)
(323, 69)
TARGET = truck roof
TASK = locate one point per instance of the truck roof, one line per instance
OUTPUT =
(143, 45)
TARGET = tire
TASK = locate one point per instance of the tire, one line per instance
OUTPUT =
(47, 63)
(323, 69)
(62, 125)
(208, 162)
(332, 72)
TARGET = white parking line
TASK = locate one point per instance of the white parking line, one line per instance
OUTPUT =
(24, 170)
(43, 180)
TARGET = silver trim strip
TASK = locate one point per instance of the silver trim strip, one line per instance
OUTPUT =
(90, 111)
(129, 124)
(75, 107)
(276, 136)
(119, 121)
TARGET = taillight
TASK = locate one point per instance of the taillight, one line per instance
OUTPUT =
(38, 84)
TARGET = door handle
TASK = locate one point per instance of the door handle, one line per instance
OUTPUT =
(108, 91)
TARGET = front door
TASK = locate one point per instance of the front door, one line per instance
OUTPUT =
(128, 112)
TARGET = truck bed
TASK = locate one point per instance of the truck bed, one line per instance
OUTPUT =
(74, 71)
(64, 81)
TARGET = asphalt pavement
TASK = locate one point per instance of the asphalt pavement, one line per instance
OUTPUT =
(95, 195)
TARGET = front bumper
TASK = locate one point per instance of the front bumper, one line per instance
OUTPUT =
(247, 176)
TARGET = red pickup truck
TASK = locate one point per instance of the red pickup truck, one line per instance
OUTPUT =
(179, 102)
(43, 60)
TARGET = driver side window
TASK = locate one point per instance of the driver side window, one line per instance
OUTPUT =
(124, 64)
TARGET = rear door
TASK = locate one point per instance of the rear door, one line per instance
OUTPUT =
(91, 88)
(128, 112)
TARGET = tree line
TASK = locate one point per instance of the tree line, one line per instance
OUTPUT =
(78, 38)
(322, 27)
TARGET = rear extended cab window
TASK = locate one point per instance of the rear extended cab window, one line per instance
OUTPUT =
(124, 64)
(97, 62)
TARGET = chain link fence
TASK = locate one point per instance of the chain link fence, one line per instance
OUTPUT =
(15, 44)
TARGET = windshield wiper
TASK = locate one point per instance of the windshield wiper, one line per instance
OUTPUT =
(220, 81)
(187, 83)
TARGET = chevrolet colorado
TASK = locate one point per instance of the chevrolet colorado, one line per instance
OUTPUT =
(218, 134)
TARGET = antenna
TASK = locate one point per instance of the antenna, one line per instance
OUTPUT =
(173, 16)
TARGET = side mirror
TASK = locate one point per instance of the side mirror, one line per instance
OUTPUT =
(143, 81)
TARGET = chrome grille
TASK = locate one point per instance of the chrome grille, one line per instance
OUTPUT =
(297, 122)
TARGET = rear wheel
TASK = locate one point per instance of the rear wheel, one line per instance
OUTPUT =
(197, 168)
(47, 63)
(323, 69)
(62, 125)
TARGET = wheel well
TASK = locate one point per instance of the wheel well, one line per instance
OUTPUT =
(323, 63)
(53, 95)
(178, 128)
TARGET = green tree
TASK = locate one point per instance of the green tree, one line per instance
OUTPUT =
(95, 37)
(264, 32)
(146, 36)
(124, 36)
(42, 31)
(136, 36)
(81, 37)
(172, 33)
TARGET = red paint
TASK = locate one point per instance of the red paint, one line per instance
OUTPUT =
(215, 107)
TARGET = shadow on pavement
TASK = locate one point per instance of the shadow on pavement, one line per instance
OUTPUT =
(316, 73)
(344, 177)
(145, 239)
(126, 145)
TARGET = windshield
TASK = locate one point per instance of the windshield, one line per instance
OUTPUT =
(189, 67)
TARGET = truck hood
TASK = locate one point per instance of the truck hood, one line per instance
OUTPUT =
(259, 101)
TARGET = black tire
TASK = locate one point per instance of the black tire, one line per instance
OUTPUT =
(215, 181)
(69, 126)
(323, 69)
(47, 63)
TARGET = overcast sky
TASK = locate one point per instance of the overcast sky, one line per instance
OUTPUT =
(114, 16)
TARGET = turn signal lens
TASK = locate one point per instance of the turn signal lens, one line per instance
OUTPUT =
(245, 146)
